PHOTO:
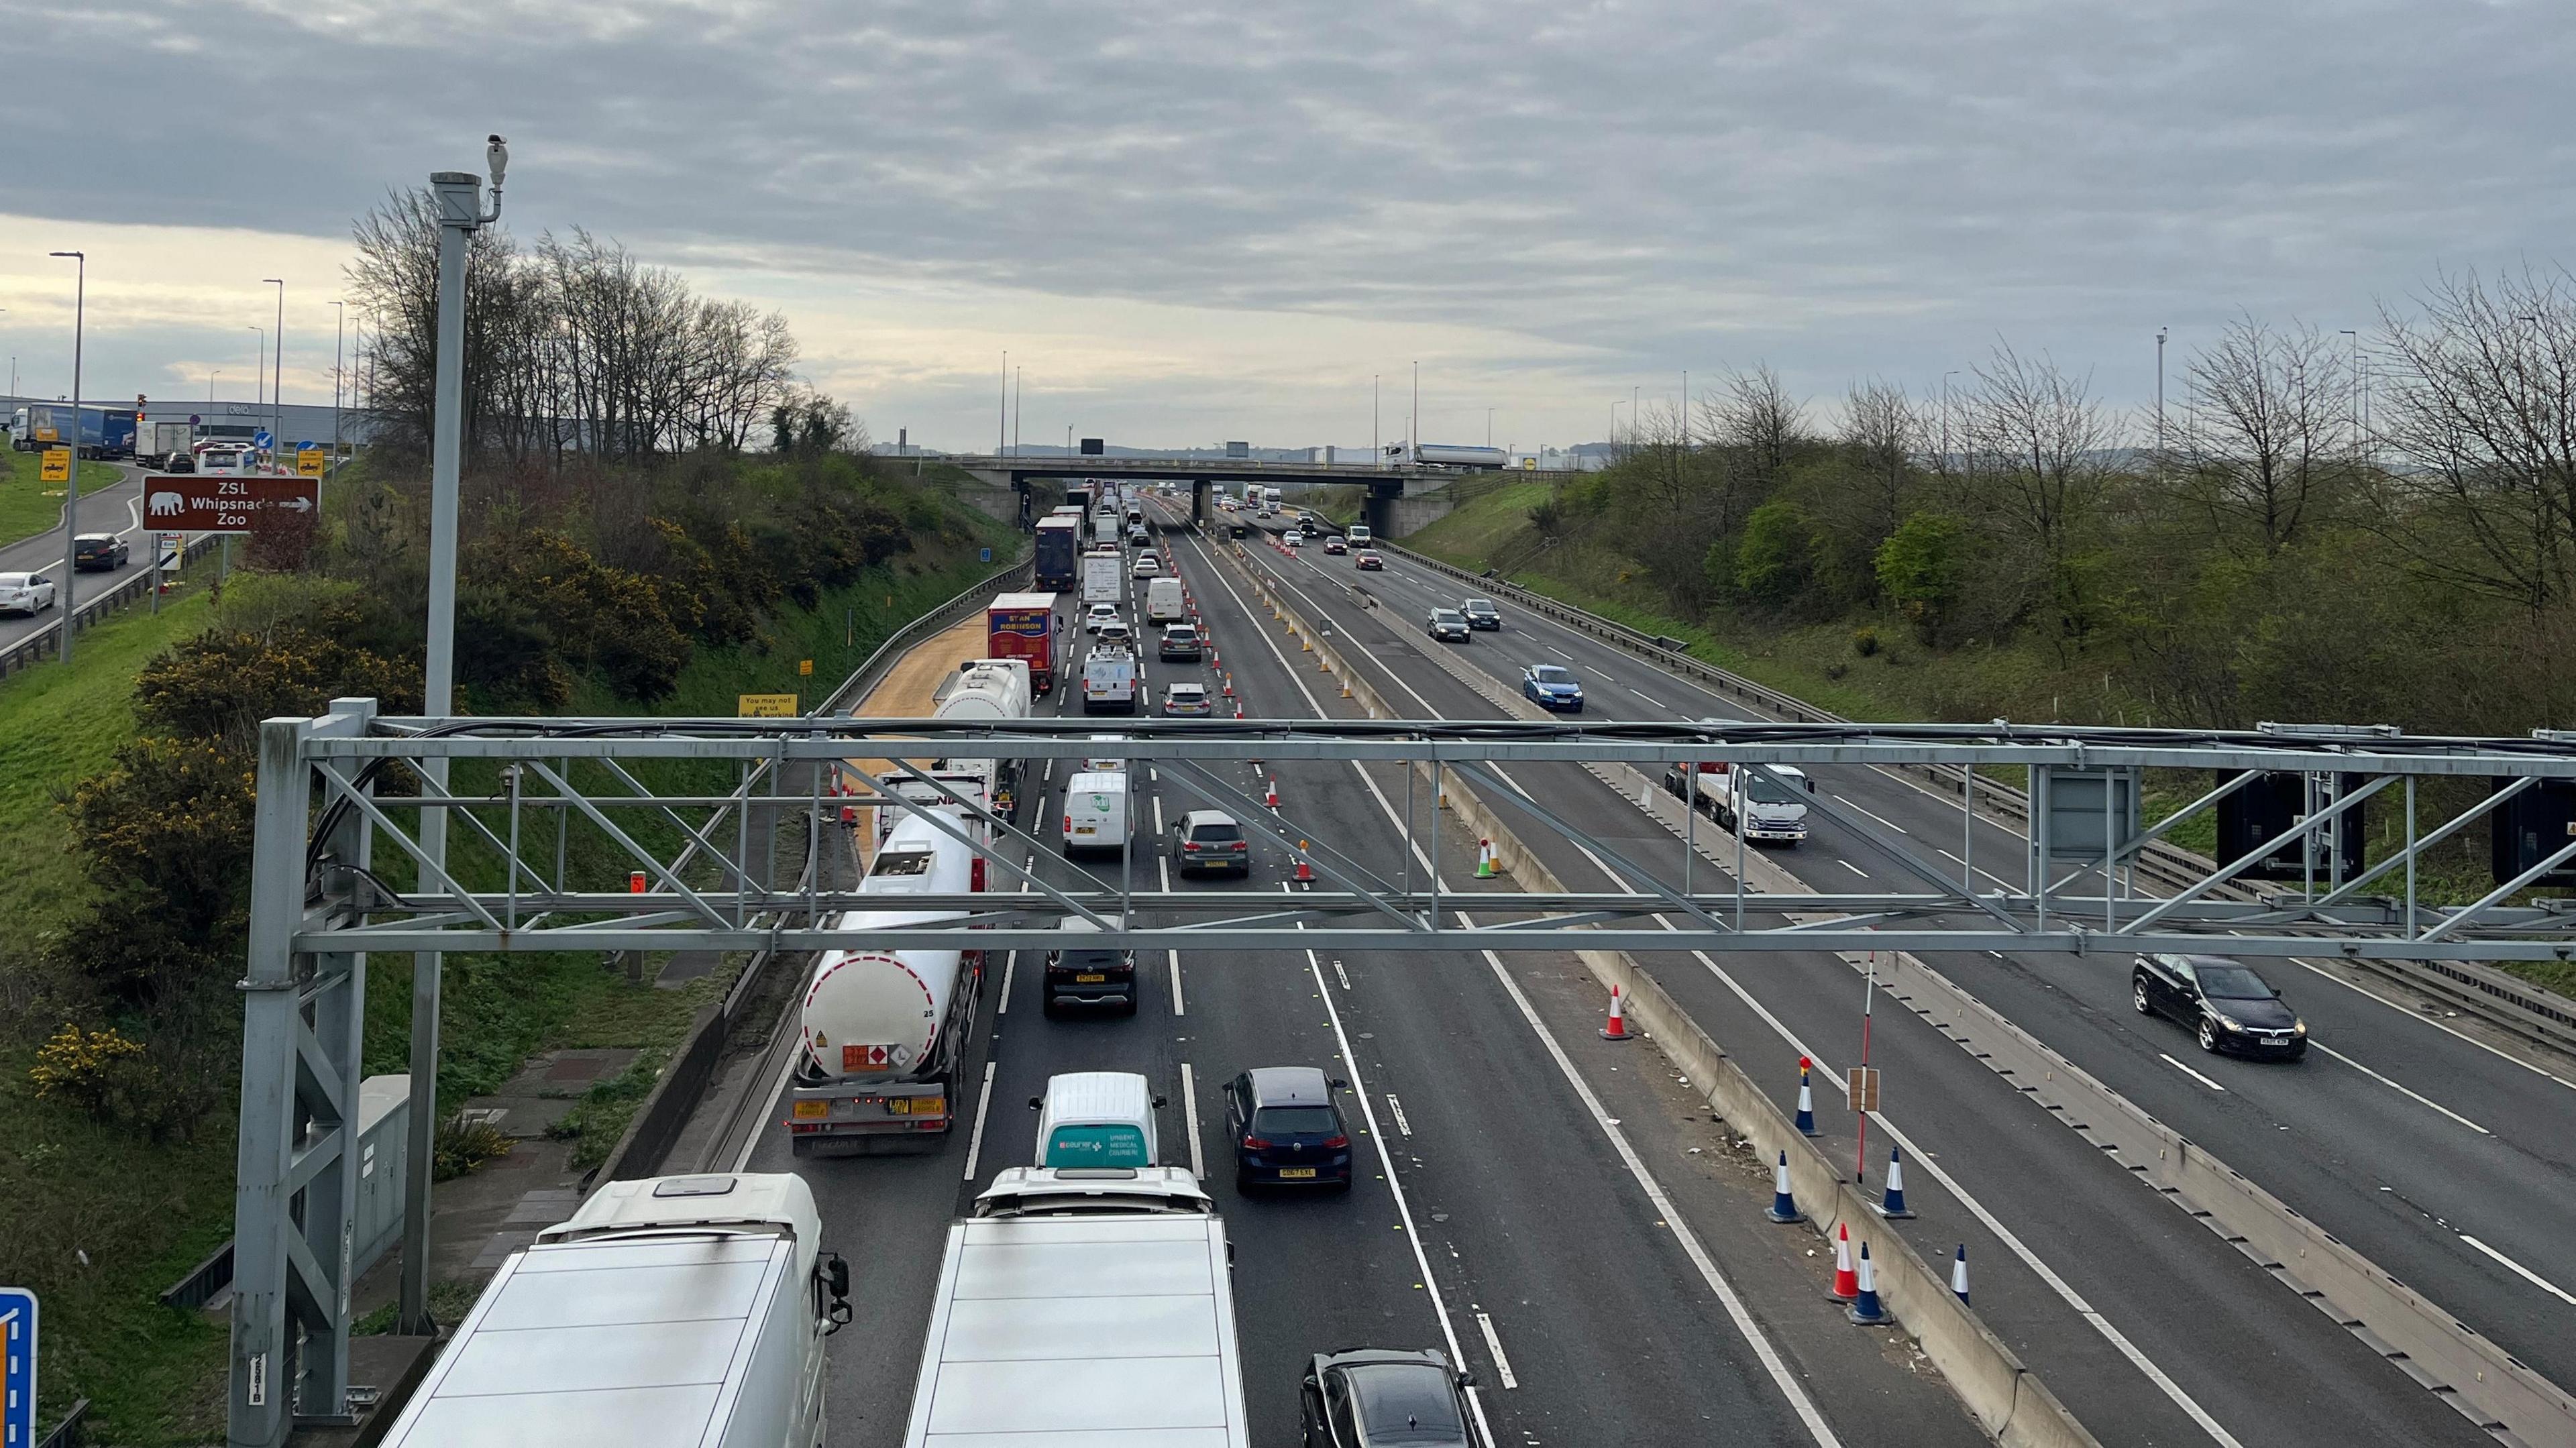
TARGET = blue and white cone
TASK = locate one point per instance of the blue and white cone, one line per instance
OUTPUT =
(1892, 1204)
(1959, 1274)
(1806, 1105)
(1784, 1207)
(1867, 1312)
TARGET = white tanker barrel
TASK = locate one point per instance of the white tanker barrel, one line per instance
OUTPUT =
(878, 1013)
(986, 689)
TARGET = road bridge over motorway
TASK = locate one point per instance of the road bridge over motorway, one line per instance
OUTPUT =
(1385, 482)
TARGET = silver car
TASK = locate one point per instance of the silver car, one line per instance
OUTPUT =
(27, 593)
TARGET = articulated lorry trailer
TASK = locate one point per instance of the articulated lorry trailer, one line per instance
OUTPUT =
(96, 432)
(882, 1032)
(680, 1311)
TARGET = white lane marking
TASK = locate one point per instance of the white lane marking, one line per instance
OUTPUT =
(2416, 1097)
(1855, 869)
(983, 1109)
(1873, 814)
(1560, 653)
(2186, 1070)
(1494, 1345)
(1403, 1206)
(1047, 776)
(1660, 704)
(2534, 1278)
(1158, 818)
(2417, 1016)
(1010, 964)
(1781, 1375)
(1401, 1124)
(1343, 974)
(1982, 870)
(1190, 1114)
(1178, 1008)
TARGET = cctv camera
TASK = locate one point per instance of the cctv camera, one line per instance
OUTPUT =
(496, 157)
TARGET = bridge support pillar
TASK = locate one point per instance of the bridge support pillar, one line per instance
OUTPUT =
(1199, 501)
(1378, 511)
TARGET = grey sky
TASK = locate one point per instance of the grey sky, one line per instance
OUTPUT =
(1217, 220)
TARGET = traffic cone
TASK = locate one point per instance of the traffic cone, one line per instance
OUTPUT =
(849, 814)
(1484, 859)
(1892, 1205)
(1867, 1311)
(1238, 711)
(1846, 1281)
(1323, 665)
(1305, 871)
(1784, 1208)
(1346, 688)
(1959, 1274)
(1806, 1102)
(1229, 686)
(1617, 1029)
(1270, 793)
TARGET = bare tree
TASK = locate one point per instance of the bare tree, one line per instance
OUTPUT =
(1882, 433)
(1753, 415)
(2266, 434)
(2480, 411)
(2036, 448)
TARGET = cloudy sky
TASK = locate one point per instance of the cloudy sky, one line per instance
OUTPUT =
(1192, 222)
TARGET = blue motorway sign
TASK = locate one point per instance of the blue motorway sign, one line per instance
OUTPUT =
(263, 439)
(17, 1368)
(987, 555)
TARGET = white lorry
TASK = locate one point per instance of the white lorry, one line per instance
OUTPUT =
(1104, 578)
(881, 1031)
(1770, 809)
(667, 1311)
(1083, 1306)
(1163, 602)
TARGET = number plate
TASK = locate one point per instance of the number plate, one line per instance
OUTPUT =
(1295, 1173)
(916, 1105)
(813, 1110)
(1090, 980)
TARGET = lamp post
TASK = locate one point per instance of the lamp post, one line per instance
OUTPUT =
(1002, 424)
(277, 380)
(1377, 451)
(460, 215)
(2160, 402)
(1945, 415)
(210, 387)
(259, 375)
(71, 482)
(339, 339)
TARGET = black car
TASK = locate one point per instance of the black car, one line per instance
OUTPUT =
(2224, 1001)
(1481, 614)
(1089, 975)
(98, 553)
(1286, 1128)
(1375, 1396)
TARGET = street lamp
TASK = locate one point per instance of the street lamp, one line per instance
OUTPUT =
(277, 382)
(2160, 401)
(339, 337)
(259, 378)
(1945, 415)
(210, 387)
(70, 588)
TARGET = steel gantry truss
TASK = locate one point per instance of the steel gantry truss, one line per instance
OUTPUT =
(571, 836)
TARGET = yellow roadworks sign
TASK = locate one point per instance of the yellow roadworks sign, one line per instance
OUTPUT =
(766, 706)
(57, 466)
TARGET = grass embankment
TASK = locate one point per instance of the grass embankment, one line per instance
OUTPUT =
(29, 507)
(144, 1214)
(1870, 668)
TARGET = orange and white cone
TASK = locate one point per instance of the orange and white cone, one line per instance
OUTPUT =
(1846, 1281)
(1617, 1028)
(1270, 792)
(1305, 871)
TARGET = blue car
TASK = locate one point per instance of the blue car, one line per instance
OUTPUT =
(1286, 1129)
(1552, 686)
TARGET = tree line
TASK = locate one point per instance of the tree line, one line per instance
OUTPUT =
(573, 349)
(2376, 526)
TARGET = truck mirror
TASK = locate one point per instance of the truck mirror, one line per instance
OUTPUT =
(1160, 1103)
(1339, 1084)
(836, 1275)
(1037, 1103)
(1811, 785)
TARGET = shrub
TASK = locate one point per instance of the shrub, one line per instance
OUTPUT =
(1920, 566)
(1864, 641)
(84, 1068)
(461, 1145)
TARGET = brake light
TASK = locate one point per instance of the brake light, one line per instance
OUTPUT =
(1189, 847)
(1335, 1143)
(1068, 824)
(1255, 1143)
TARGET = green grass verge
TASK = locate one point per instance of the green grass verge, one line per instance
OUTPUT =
(1476, 531)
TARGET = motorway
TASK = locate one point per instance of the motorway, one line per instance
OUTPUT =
(2441, 1158)
(110, 509)
(1553, 1210)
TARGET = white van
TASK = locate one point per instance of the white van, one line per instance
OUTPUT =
(1095, 812)
(1358, 535)
(1096, 1119)
(1105, 763)
(1163, 601)
(1109, 681)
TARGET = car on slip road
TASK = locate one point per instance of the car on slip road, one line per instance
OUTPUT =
(27, 593)
(98, 553)
(1363, 1397)
(1287, 1129)
(2227, 1003)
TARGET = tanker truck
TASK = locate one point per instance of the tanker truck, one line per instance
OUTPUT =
(982, 690)
(881, 1031)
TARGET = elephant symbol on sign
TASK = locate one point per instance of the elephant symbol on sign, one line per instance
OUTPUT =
(165, 504)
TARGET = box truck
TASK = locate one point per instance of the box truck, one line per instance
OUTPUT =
(1023, 626)
(1089, 1305)
(880, 1032)
(1771, 809)
(666, 1310)
(1104, 578)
